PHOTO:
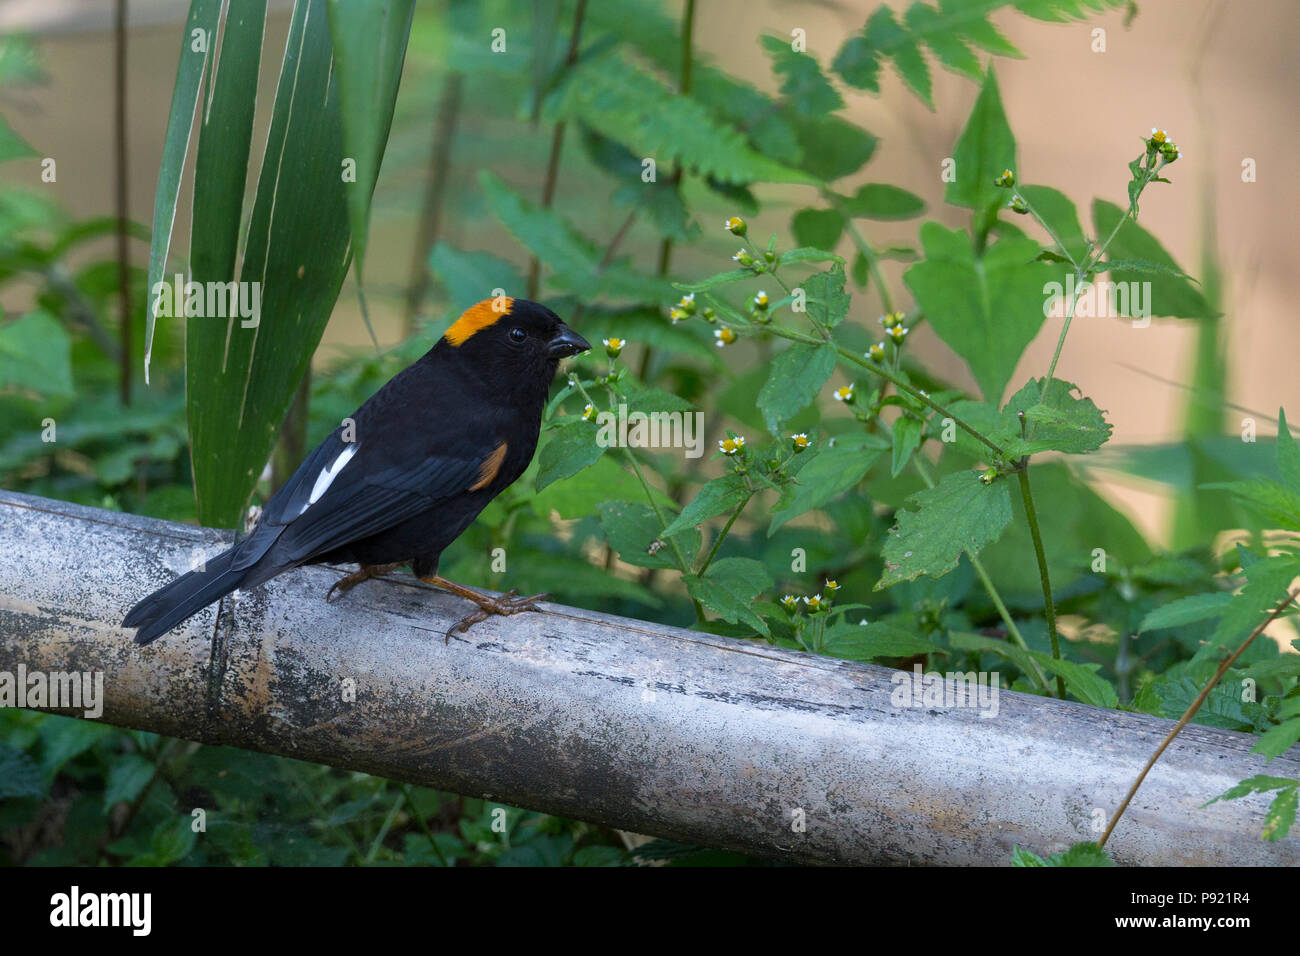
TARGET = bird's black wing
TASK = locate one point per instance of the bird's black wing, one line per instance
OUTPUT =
(374, 489)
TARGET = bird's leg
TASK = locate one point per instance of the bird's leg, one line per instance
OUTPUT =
(488, 605)
(363, 573)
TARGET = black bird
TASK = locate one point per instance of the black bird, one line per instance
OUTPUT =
(410, 471)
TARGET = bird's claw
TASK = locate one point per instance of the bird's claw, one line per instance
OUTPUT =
(507, 604)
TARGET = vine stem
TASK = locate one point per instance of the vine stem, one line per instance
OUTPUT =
(1191, 711)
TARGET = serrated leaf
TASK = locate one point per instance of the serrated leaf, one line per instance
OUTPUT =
(631, 528)
(729, 587)
(804, 86)
(127, 776)
(827, 302)
(574, 262)
(833, 471)
(628, 103)
(868, 642)
(568, 449)
(796, 376)
(1278, 740)
(959, 514)
(1288, 453)
(1187, 610)
(717, 497)
(1060, 421)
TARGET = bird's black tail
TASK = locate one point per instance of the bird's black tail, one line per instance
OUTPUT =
(186, 596)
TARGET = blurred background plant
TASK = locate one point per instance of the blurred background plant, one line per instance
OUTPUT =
(587, 155)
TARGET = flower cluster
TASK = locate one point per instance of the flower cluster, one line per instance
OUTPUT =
(1159, 143)
(815, 603)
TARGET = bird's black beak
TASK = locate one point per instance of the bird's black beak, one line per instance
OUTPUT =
(568, 342)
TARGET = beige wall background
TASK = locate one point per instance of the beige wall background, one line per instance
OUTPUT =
(1219, 76)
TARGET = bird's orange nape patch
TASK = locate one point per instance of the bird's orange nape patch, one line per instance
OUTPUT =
(477, 317)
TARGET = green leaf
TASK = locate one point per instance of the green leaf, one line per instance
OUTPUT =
(172, 839)
(987, 309)
(1187, 610)
(804, 86)
(907, 433)
(827, 302)
(883, 202)
(1278, 740)
(203, 17)
(1281, 813)
(806, 254)
(986, 147)
(19, 775)
(1288, 454)
(241, 374)
(717, 497)
(867, 642)
(959, 514)
(831, 147)
(13, 146)
(1059, 213)
(1169, 293)
(632, 527)
(606, 480)
(796, 377)
(833, 470)
(713, 281)
(629, 104)
(471, 277)
(36, 356)
(570, 448)
(818, 228)
(127, 776)
(575, 263)
(1059, 422)
(221, 160)
(1267, 583)
(369, 50)
(728, 589)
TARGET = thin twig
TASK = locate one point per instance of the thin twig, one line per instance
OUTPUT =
(1191, 711)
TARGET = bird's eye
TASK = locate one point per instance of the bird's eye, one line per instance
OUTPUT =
(517, 334)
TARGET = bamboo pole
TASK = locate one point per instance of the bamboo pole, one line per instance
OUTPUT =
(703, 739)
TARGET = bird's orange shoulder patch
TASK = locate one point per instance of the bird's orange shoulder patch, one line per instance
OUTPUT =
(487, 471)
(477, 317)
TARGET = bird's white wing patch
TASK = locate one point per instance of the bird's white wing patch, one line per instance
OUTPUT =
(329, 473)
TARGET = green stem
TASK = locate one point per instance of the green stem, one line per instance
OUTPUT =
(990, 588)
(420, 822)
(1049, 606)
(725, 531)
(873, 261)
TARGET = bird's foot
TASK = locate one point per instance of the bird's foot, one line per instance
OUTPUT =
(364, 573)
(506, 604)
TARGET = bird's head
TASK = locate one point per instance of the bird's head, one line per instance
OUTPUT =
(514, 341)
